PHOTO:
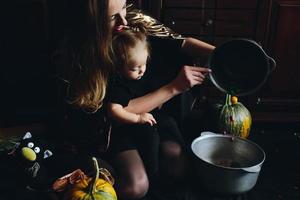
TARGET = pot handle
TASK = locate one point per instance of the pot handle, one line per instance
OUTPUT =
(254, 169)
(272, 64)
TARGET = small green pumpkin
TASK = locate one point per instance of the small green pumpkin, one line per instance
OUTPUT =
(235, 118)
(92, 188)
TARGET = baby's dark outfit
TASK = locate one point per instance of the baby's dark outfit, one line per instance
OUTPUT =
(142, 137)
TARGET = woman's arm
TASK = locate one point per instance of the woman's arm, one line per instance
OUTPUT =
(188, 77)
(195, 47)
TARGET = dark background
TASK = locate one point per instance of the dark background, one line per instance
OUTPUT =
(30, 30)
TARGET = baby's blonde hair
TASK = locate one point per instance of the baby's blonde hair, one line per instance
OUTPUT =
(125, 39)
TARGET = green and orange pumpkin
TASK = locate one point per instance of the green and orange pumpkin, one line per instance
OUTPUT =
(235, 118)
(92, 188)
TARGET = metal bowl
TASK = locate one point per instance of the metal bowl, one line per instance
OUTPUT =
(225, 164)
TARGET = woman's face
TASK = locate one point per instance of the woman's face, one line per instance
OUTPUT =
(117, 14)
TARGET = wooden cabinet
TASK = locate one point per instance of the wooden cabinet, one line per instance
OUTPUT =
(279, 99)
(274, 24)
(211, 21)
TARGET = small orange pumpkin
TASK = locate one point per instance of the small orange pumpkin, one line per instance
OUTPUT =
(93, 188)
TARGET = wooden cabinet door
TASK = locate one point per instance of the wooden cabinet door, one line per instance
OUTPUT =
(279, 99)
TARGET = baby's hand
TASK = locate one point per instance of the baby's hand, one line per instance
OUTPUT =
(146, 118)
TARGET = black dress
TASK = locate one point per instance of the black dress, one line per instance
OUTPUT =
(143, 137)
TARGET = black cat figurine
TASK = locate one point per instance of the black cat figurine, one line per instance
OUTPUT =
(31, 154)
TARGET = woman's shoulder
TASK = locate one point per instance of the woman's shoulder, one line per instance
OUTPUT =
(164, 42)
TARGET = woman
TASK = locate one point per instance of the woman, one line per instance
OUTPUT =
(86, 75)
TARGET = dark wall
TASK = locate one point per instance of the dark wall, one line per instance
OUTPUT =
(26, 75)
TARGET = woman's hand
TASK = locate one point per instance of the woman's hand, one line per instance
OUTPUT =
(146, 118)
(188, 77)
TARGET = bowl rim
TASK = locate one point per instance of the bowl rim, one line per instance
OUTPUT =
(207, 134)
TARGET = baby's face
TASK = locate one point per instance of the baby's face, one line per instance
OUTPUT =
(137, 66)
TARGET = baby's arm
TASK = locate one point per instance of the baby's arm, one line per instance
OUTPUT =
(117, 112)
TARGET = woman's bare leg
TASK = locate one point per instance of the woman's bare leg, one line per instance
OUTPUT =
(173, 160)
(132, 181)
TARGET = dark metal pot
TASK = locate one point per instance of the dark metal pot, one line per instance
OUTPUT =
(227, 165)
(240, 66)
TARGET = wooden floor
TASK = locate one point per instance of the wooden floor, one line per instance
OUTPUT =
(278, 179)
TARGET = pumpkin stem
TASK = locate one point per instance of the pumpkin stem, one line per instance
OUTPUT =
(228, 99)
(95, 178)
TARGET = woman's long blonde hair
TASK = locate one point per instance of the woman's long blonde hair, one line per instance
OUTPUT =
(88, 42)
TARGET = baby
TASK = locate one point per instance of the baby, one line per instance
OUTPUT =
(141, 132)
(132, 51)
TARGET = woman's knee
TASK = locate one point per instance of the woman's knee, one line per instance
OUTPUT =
(132, 181)
(136, 188)
(171, 149)
(174, 161)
